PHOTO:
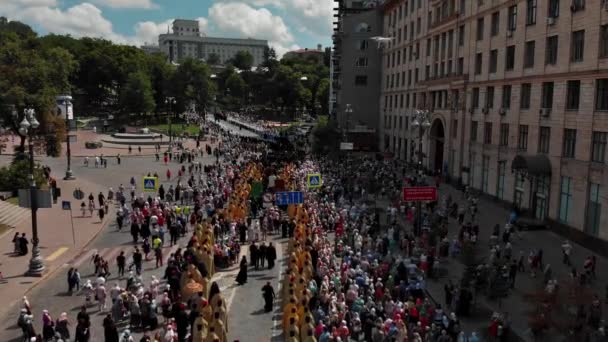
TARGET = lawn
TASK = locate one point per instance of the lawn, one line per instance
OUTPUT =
(176, 129)
(4, 228)
(13, 200)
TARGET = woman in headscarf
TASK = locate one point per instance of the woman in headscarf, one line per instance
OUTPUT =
(62, 326)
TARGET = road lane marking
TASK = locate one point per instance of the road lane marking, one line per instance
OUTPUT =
(56, 253)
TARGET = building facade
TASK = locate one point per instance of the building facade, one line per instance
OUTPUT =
(187, 41)
(356, 66)
(317, 54)
(517, 93)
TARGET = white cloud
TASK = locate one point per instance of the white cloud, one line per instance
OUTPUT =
(241, 20)
(31, 3)
(312, 15)
(203, 24)
(142, 4)
(147, 32)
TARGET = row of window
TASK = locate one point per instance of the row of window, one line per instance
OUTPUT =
(440, 99)
(598, 139)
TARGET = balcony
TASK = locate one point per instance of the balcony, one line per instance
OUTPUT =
(444, 20)
(437, 80)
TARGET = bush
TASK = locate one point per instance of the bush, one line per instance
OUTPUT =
(17, 176)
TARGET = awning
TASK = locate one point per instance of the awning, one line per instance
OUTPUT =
(536, 165)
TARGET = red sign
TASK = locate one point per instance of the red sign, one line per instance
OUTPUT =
(420, 193)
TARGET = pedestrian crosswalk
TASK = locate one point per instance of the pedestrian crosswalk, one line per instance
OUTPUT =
(110, 253)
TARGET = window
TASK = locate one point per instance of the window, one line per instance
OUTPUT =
(598, 146)
(578, 46)
(361, 80)
(493, 61)
(487, 133)
(544, 138)
(530, 12)
(522, 139)
(475, 98)
(506, 96)
(418, 26)
(594, 210)
(578, 4)
(473, 131)
(480, 29)
(361, 62)
(512, 18)
(490, 97)
(461, 35)
(546, 100)
(601, 94)
(485, 173)
(553, 9)
(604, 41)
(518, 196)
(428, 47)
(510, 58)
(362, 45)
(460, 66)
(363, 27)
(500, 185)
(569, 148)
(526, 91)
(573, 95)
(565, 199)
(504, 134)
(529, 54)
(478, 63)
(551, 50)
(495, 23)
(454, 129)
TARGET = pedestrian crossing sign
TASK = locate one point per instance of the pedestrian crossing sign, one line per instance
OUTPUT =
(314, 180)
(150, 184)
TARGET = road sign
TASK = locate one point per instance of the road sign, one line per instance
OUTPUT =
(346, 146)
(420, 193)
(287, 198)
(150, 184)
(66, 205)
(267, 200)
(314, 180)
(78, 194)
(43, 198)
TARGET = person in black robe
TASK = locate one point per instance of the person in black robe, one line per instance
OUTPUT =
(241, 277)
(271, 255)
(262, 254)
(255, 255)
(242, 233)
(268, 294)
(109, 329)
(23, 244)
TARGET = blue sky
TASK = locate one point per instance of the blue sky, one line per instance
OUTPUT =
(286, 24)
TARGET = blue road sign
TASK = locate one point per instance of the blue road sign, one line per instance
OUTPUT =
(66, 205)
(150, 184)
(287, 198)
(314, 180)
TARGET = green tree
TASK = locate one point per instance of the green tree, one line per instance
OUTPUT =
(192, 85)
(213, 59)
(323, 96)
(16, 176)
(237, 85)
(136, 96)
(243, 60)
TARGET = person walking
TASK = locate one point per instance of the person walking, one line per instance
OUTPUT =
(268, 294)
(241, 277)
(271, 255)
(121, 261)
(110, 332)
(566, 252)
(137, 261)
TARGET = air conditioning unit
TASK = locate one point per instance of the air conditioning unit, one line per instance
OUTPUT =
(509, 33)
(551, 21)
(484, 110)
(502, 111)
(545, 112)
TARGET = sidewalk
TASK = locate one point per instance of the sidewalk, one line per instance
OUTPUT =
(515, 304)
(56, 242)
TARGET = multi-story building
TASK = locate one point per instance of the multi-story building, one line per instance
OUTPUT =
(188, 41)
(317, 54)
(517, 93)
(356, 67)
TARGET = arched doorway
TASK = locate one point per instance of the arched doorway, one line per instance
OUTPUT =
(437, 135)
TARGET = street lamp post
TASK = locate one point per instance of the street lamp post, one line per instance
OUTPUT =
(421, 122)
(169, 101)
(26, 129)
(348, 112)
(68, 172)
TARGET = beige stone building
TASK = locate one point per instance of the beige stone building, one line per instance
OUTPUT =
(517, 93)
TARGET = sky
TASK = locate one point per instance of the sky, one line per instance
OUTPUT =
(286, 24)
